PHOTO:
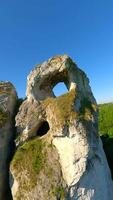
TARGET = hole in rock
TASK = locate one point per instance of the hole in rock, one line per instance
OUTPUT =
(60, 89)
(43, 129)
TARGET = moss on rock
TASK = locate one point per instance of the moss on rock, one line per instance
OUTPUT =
(3, 118)
(30, 157)
(87, 109)
(35, 164)
(63, 107)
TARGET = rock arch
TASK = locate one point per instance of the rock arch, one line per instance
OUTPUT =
(43, 78)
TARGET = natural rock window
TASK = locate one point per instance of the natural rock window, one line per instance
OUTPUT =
(61, 165)
(60, 89)
(43, 129)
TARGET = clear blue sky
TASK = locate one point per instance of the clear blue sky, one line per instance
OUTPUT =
(31, 31)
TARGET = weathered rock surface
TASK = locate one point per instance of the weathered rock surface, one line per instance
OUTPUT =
(8, 98)
(59, 153)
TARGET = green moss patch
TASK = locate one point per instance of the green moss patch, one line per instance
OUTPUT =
(3, 118)
(59, 192)
(30, 157)
(35, 164)
(87, 109)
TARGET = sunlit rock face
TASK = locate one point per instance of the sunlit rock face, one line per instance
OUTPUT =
(59, 153)
(8, 98)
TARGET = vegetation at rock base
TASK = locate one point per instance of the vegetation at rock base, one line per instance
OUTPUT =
(106, 131)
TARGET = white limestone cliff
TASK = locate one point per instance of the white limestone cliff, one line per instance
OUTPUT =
(69, 124)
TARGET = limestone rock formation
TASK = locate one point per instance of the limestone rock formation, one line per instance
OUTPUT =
(59, 152)
(8, 98)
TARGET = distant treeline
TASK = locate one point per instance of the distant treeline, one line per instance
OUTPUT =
(106, 119)
(106, 131)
